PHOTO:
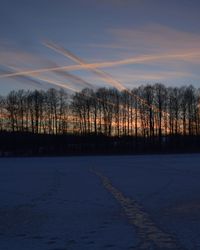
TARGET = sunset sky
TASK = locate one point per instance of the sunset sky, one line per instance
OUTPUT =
(90, 43)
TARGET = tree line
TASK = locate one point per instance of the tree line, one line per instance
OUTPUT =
(150, 111)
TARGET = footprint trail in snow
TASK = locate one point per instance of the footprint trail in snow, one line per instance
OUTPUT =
(151, 236)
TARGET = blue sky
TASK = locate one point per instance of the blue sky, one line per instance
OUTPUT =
(151, 41)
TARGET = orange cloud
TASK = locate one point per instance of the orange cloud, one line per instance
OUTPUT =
(34, 79)
(135, 60)
(153, 38)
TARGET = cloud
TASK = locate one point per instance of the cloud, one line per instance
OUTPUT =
(143, 59)
(12, 59)
(40, 81)
(149, 39)
(121, 3)
(155, 45)
(153, 76)
(23, 79)
(103, 75)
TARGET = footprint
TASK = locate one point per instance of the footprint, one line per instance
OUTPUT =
(84, 237)
(51, 242)
(59, 248)
(37, 237)
(109, 246)
(92, 232)
(90, 242)
(131, 248)
(71, 242)
(102, 227)
(54, 238)
(21, 235)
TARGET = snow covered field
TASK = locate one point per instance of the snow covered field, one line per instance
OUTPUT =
(124, 202)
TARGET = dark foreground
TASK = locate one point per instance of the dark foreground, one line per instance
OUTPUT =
(30, 144)
(125, 202)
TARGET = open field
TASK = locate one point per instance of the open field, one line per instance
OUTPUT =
(114, 202)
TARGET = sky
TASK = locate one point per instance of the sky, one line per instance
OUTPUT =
(73, 44)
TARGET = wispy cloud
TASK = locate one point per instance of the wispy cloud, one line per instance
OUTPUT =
(151, 76)
(76, 80)
(121, 3)
(154, 46)
(151, 45)
(144, 59)
(58, 84)
(39, 81)
(103, 75)
(152, 38)
(13, 59)
(27, 80)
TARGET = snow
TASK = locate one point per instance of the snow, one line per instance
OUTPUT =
(102, 202)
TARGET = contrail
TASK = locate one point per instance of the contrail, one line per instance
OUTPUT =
(37, 79)
(132, 60)
(135, 60)
(93, 69)
(75, 79)
(57, 83)
(32, 81)
(102, 74)
(34, 73)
